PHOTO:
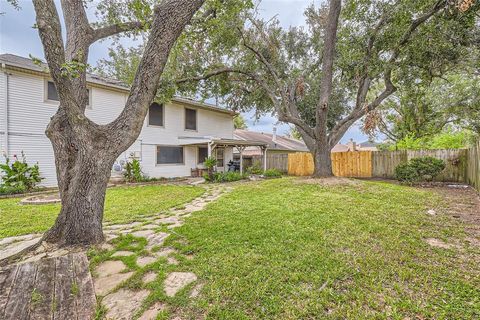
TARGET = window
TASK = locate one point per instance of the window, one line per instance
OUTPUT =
(52, 93)
(190, 119)
(155, 115)
(220, 153)
(169, 155)
(202, 154)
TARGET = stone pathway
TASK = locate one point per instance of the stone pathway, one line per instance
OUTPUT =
(110, 275)
(125, 303)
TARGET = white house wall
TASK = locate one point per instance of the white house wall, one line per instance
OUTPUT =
(29, 115)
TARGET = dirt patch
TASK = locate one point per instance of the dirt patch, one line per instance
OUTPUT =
(462, 203)
(331, 181)
(42, 199)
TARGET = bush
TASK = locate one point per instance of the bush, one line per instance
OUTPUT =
(12, 190)
(255, 169)
(272, 173)
(19, 175)
(224, 177)
(133, 172)
(419, 169)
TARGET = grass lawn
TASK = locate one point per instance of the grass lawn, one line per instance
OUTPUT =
(283, 249)
(123, 204)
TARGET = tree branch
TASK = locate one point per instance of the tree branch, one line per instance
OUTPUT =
(114, 29)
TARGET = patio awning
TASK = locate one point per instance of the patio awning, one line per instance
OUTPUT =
(223, 143)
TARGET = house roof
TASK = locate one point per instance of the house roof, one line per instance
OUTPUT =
(18, 62)
(282, 143)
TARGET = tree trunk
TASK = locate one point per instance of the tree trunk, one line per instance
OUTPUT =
(322, 161)
(81, 215)
(83, 170)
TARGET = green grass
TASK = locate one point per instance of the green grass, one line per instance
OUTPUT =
(281, 249)
(122, 205)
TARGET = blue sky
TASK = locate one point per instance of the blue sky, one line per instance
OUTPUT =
(18, 37)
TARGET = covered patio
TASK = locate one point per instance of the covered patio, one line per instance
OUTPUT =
(216, 148)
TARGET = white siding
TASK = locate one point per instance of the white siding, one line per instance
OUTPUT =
(29, 115)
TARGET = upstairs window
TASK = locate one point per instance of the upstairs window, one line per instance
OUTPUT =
(52, 94)
(155, 115)
(190, 119)
(169, 155)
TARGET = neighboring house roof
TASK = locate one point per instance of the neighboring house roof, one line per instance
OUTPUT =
(28, 64)
(368, 144)
(340, 148)
(282, 143)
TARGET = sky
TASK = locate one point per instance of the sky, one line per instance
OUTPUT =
(18, 37)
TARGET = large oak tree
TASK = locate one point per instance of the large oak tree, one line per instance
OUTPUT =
(85, 151)
(348, 60)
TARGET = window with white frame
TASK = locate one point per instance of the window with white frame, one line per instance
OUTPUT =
(170, 155)
(190, 119)
(155, 115)
(220, 153)
(202, 154)
(52, 93)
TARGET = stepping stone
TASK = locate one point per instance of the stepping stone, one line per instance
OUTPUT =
(172, 260)
(156, 239)
(192, 208)
(143, 233)
(123, 304)
(126, 231)
(16, 247)
(176, 281)
(196, 290)
(105, 284)
(149, 277)
(149, 226)
(122, 254)
(151, 314)
(9, 240)
(164, 253)
(167, 220)
(106, 246)
(175, 225)
(143, 261)
(109, 267)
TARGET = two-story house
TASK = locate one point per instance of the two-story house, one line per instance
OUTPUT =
(174, 142)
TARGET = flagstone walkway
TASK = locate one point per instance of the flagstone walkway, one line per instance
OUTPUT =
(117, 301)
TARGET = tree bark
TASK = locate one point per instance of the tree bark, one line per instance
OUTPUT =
(322, 161)
(85, 151)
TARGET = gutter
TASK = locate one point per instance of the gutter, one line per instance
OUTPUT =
(6, 107)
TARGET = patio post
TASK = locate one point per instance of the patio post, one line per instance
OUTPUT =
(240, 149)
(264, 150)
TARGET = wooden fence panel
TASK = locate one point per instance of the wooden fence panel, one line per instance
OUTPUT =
(473, 166)
(300, 164)
(277, 161)
(455, 162)
(385, 162)
(352, 164)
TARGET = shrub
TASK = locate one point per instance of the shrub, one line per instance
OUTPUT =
(133, 172)
(419, 169)
(255, 169)
(19, 175)
(272, 173)
(225, 177)
(210, 163)
(12, 190)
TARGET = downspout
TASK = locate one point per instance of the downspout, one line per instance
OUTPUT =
(5, 108)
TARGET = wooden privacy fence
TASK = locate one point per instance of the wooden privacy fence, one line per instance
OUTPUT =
(385, 162)
(473, 166)
(462, 165)
(344, 164)
(277, 161)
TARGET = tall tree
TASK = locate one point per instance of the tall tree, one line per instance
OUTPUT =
(85, 151)
(328, 75)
